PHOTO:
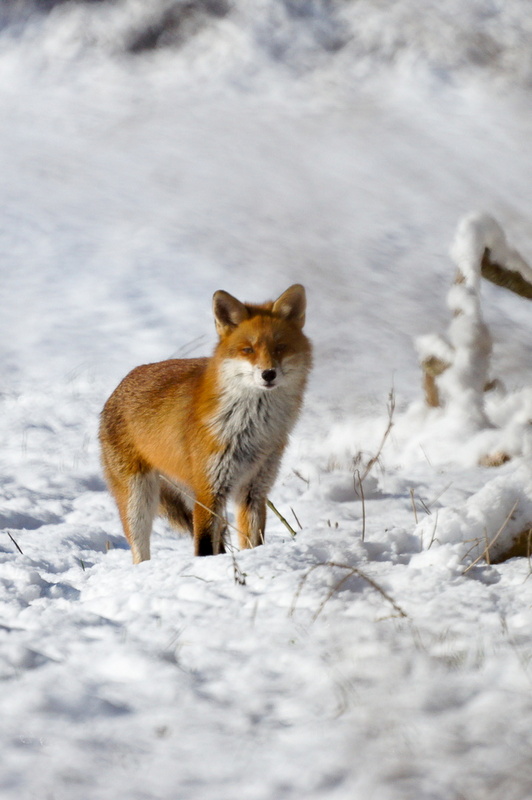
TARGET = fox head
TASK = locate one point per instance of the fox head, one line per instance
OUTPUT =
(263, 347)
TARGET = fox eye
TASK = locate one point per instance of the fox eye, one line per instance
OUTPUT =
(280, 348)
(248, 350)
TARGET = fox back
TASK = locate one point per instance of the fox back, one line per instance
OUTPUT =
(180, 437)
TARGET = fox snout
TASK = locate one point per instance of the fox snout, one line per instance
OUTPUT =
(269, 376)
(266, 377)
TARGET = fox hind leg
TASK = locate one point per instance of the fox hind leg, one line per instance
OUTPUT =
(174, 507)
(137, 511)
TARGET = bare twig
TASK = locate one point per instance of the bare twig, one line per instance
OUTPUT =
(432, 367)
(500, 275)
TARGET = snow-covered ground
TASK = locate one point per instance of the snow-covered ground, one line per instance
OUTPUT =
(376, 656)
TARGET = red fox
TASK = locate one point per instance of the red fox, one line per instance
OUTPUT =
(179, 437)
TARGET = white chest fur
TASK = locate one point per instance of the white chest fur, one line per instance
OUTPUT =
(252, 423)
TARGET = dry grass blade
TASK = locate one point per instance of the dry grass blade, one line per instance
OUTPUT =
(350, 572)
(301, 477)
(374, 459)
(492, 542)
(296, 519)
(433, 537)
(414, 509)
(15, 543)
(363, 502)
(435, 500)
(425, 507)
(189, 347)
(487, 548)
(285, 522)
(239, 577)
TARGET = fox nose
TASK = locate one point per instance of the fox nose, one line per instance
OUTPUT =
(269, 375)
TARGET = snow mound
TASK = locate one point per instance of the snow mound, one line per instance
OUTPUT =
(489, 524)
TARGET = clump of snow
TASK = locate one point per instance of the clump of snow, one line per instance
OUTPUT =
(476, 232)
(462, 384)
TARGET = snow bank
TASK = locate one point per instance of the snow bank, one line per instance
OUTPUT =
(489, 524)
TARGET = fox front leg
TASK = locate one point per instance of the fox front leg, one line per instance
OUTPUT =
(251, 501)
(251, 517)
(209, 526)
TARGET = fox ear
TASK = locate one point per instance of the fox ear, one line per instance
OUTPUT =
(228, 312)
(292, 304)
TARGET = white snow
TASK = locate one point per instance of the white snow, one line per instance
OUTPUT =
(376, 655)
(474, 233)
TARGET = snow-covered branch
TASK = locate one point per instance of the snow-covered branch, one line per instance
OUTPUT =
(456, 366)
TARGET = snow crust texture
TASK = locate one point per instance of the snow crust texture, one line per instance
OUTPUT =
(151, 154)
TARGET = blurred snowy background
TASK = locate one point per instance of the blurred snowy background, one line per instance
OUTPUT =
(150, 154)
